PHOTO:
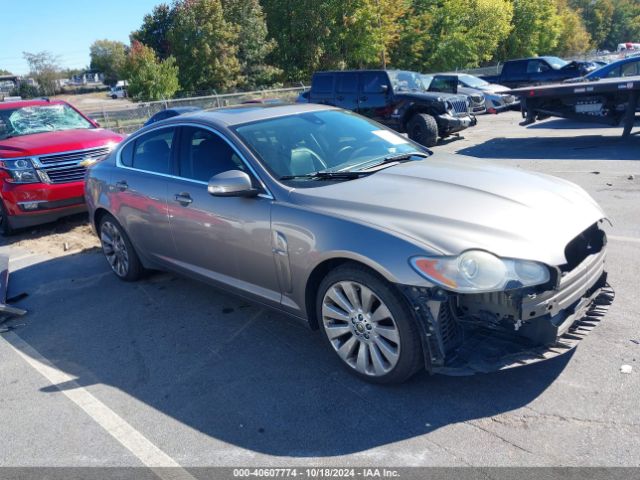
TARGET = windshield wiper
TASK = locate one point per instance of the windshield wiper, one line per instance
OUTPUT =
(376, 162)
(324, 175)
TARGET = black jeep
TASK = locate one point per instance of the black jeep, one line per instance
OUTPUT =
(395, 98)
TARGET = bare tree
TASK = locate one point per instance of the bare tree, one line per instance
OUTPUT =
(44, 68)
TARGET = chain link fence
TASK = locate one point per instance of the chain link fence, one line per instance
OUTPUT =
(130, 119)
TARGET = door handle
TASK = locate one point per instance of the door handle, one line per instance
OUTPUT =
(122, 185)
(183, 199)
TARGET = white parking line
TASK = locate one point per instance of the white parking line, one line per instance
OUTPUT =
(162, 464)
(22, 257)
(623, 239)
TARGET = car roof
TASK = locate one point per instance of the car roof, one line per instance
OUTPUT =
(30, 103)
(612, 65)
(246, 113)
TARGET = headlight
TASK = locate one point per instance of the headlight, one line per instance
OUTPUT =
(20, 170)
(476, 271)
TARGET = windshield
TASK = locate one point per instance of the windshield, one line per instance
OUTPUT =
(556, 62)
(403, 81)
(471, 81)
(327, 141)
(426, 81)
(17, 122)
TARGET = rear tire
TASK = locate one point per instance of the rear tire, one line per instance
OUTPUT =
(368, 324)
(423, 129)
(118, 250)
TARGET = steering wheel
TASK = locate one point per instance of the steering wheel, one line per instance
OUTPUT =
(350, 149)
(315, 158)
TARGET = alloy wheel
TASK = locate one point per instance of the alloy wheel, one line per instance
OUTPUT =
(114, 248)
(361, 328)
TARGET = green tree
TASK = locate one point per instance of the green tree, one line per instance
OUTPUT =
(597, 16)
(154, 31)
(536, 29)
(5, 72)
(205, 46)
(301, 29)
(109, 57)
(150, 78)
(625, 24)
(253, 45)
(45, 70)
(331, 34)
(367, 31)
(573, 38)
(452, 34)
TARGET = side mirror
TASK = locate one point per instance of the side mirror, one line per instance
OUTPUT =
(232, 183)
(384, 88)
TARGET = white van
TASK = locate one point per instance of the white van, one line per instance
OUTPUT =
(119, 91)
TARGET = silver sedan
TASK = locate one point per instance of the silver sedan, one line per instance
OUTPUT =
(402, 259)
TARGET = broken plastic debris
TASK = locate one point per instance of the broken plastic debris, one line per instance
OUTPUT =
(626, 369)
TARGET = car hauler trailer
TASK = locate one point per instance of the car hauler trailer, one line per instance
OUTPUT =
(611, 101)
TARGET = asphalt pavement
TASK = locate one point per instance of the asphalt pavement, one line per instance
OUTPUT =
(170, 372)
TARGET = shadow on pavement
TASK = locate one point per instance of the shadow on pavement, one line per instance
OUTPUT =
(61, 226)
(581, 147)
(227, 368)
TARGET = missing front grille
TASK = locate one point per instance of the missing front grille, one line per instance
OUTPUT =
(589, 242)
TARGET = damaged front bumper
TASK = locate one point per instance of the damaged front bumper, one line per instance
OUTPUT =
(480, 333)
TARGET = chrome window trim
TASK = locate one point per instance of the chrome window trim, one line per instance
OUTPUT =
(133, 138)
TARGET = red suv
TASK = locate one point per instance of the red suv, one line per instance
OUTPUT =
(45, 147)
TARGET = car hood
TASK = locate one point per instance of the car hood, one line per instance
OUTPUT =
(428, 96)
(493, 88)
(448, 204)
(55, 142)
(470, 91)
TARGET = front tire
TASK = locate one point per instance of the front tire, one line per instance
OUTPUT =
(423, 128)
(368, 325)
(6, 229)
(118, 250)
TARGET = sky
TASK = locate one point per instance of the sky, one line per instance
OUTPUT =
(66, 28)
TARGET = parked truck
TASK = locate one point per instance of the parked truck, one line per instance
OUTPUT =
(537, 71)
(45, 148)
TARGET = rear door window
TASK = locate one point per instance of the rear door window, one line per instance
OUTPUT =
(152, 152)
(347, 83)
(372, 82)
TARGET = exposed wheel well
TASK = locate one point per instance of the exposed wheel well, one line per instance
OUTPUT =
(97, 216)
(316, 277)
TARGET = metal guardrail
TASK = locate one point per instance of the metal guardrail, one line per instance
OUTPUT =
(128, 120)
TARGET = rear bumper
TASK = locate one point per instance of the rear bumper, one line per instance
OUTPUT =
(448, 124)
(551, 324)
